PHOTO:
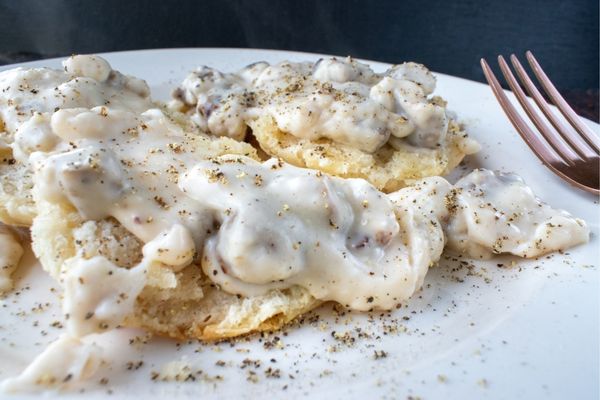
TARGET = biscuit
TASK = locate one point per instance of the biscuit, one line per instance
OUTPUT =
(16, 202)
(334, 115)
(388, 169)
(194, 308)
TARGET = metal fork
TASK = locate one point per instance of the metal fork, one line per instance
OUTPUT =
(571, 153)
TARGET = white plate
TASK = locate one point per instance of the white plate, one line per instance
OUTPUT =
(524, 331)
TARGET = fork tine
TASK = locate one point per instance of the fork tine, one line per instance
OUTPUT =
(550, 135)
(576, 142)
(540, 148)
(562, 105)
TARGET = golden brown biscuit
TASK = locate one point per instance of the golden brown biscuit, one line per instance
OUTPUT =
(388, 169)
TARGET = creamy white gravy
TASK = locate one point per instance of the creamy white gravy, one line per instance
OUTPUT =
(280, 225)
(64, 362)
(29, 96)
(487, 213)
(336, 98)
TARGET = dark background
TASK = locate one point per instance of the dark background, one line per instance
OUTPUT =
(447, 36)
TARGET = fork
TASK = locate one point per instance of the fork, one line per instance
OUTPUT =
(571, 153)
